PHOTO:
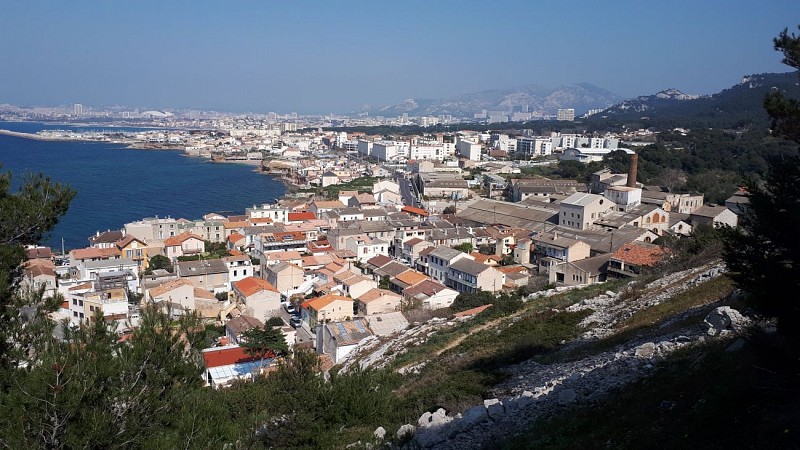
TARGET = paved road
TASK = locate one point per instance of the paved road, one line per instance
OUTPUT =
(407, 191)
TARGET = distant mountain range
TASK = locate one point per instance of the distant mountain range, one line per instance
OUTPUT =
(531, 98)
(739, 104)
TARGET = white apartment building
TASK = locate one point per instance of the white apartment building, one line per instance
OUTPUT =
(468, 149)
(390, 150)
(534, 146)
(265, 211)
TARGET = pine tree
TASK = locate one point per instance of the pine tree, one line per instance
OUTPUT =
(763, 253)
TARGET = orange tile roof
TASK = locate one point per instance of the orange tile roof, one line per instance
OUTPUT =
(417, 211)
(473, 311)
(305, 215)
(234, 237)
(411, 277)
(377, 293)
(124, 242)
(321, 302)
(222, 356)
(179, 239)
(253, 285)
(202, 293)
(255, 220)
(92, 252)
(512, 269)
(639, 253)
(163, 288)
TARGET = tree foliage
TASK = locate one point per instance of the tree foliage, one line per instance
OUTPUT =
(264, 342)
(159, 262)
(764, 252)
(25, 217)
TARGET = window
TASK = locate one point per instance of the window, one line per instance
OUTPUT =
(74, 313)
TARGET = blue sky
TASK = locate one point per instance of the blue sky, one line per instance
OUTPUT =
(335, 56)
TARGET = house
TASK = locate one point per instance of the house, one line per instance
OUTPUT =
(208, 274)
(430, 295)
(183, 244)
(412, 247)
(257, 297)
(225, 364)
(440, 259)
(235, 327)
(239, 268)
(376, 262)
(551, 248)
(579, 273)
(739, 202)
(355, 285)
(716, 216)
(286, 277)
(91, 270)
(40, 274)
(80, 255)
(365, 247)
(467, 275)
(235, 241)
(406, 280)
(39, 252)
(581, 210)
(328, 308)
(134, 249)
(106, 239)
(378, 301)
(320, 206)
(630, 259)
(338, 339)
(178, 292)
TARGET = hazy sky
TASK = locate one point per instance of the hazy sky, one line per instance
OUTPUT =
(335, 56)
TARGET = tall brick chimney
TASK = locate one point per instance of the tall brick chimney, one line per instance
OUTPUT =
(632, 171)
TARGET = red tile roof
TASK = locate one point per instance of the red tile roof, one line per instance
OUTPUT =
(252, 285)
(473, 311)
(298, 216)
(179, 239)
(321, 302)
(223, 356)
(417, 211)
(639, 253)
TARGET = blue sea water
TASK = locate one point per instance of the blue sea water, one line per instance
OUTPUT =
(116, 185)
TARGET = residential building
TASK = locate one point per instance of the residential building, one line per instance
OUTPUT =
(338, 339)
(184, 244)
(580, 210)
(257, 297)
(378, 301)
(286, 277)
(440, 259)
(225, 364)
(328, 308)
(629, 260)
(467, 275)
(208, 274)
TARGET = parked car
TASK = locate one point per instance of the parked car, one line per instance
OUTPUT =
(290, 308)
(295, 322)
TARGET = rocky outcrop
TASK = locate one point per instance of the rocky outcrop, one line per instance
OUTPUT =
(534, 391)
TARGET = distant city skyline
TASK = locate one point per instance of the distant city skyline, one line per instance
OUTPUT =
(326, 57)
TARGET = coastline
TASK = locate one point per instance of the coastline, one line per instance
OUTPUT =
(257, 165)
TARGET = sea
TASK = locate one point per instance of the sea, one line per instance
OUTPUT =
(116, 185)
